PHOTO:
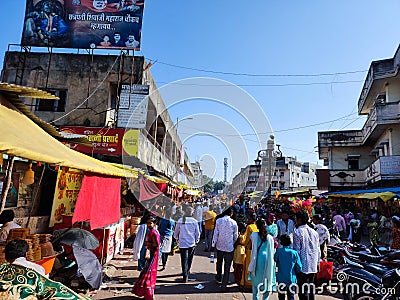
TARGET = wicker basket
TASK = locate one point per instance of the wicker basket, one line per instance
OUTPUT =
(18, 233)
(37, 254)
(2, 254)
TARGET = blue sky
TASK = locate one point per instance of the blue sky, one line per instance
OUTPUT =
(259, 37)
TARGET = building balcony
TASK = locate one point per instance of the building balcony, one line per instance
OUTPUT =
(348, 178)
(378, 119)
(384, 168)
(252, 178)
(153, 155)
(340, 138)
(379, 70)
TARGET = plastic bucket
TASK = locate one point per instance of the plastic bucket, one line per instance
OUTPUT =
(47, 263)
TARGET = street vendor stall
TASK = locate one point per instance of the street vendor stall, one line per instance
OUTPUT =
(384, 200)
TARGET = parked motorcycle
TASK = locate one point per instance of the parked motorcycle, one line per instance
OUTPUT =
(376, 269)
(359, 284)
(360, 253)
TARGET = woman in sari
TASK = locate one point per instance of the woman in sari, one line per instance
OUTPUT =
(262, 267)
(251, 227)
(145, 284)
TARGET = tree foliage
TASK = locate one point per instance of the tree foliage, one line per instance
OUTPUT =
(208, 184)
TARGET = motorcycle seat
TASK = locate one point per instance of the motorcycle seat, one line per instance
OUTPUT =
(369, 257)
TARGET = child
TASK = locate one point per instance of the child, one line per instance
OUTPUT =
(239, 254)
(288, 263)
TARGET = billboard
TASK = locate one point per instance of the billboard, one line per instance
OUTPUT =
(133, 103)
(110, 141)
(83, 24)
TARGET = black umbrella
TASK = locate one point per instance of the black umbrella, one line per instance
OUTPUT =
(89, 266)
(77, 237)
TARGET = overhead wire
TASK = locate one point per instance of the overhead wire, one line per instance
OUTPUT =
(253, 74)
(261, 85)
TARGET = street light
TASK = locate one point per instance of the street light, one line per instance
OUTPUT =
(181, 120)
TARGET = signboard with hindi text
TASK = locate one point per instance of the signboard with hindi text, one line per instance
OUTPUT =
(108, 141)
(83, 24)
(68, 185)
(103, 140)
(133, 104)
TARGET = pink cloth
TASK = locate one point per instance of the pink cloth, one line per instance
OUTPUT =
(148, 189)
(99, 201)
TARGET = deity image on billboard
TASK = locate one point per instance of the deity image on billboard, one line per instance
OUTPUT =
(83, 23)
(45, 24)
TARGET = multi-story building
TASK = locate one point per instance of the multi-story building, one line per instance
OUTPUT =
(90, 89)
(291, 174)
(370, 156)
(288, 175)
(246, 180)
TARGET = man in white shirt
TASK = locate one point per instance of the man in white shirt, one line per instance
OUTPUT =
(187, 235)
(285, 225)
(306, 243)
(323, 234)
(15, 253)
(7, 219)
(198, 215)
(225, 236)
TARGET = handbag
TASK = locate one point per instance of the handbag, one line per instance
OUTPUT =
(147, 255)
(325, 270)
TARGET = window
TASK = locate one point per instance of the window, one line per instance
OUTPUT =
(353, 162)
(281, 185)
(282, 174)
(53, 105)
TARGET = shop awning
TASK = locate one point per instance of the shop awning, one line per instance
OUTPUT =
(21, 137)
(295, 193)
(193, 192)
(382, 193)
(13, 93)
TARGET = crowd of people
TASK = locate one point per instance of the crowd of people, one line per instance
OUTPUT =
(243, 235)
(272, 248)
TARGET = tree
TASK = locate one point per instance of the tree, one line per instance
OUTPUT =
(218, 185)
(208, 184)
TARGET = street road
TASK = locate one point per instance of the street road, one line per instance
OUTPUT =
(123, 274)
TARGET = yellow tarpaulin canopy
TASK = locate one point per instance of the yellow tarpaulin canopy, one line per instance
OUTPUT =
(255, 194)
(20, 136)
(385, 196)
(193, 192)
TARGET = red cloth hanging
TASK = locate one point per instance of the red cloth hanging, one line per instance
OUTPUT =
(162, 186)
(148, 189)
(99, 201)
